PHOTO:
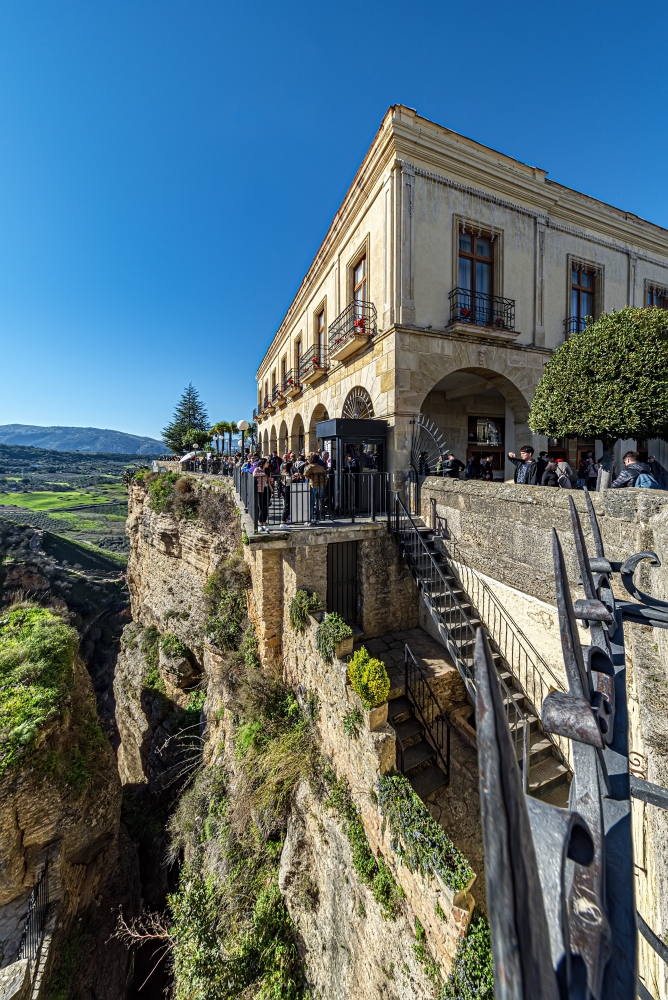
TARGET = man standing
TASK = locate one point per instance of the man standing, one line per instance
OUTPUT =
(542, 465)
(633, 468)
(526, 468)
(317, 480)
(452, 466)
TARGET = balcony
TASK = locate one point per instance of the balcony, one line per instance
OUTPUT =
(352, 330)
(478, 310)
(267, 405)
(277, 397)
(291, 386)
(574, 324)
(313, 365)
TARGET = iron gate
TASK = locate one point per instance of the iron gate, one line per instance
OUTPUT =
(342, 579)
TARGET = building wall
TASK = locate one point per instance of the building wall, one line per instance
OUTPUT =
(419, 185)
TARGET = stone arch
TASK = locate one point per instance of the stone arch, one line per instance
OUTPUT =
(479, 408)
(357, 404)
(297, 437)
(265, 442)
(283, 438)
(319, 413)
(273, 439)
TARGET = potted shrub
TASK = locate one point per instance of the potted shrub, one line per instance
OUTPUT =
(333, 637)
(370, 682)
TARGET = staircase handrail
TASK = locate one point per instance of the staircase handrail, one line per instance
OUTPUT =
(439, 716)
(540, 666)
(515, 714)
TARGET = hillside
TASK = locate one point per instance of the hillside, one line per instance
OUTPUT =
(90, 439)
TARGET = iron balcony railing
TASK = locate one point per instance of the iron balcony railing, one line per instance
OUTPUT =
(482, 310)
(38, 906)
(358, 319)
(575, 324)
(452, 615)
(345, 496)
(531, 672)
(314, 359)
(276, 393)
(290, 380)
(255, 414)
(265, 403)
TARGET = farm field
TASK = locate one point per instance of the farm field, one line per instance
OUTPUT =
(81, 498)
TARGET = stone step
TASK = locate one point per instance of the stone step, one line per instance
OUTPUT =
(416, 754)
(398, 707)
(548, 774)
(540, 747)
(427, 782)
(408, 730)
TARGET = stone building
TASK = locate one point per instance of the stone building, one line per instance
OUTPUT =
(447, 277)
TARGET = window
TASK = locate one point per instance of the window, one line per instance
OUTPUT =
(582, 298)
(298, 355)
(320, 330)
(360, 282)
(657, 297)
(284, 370)
(474, 278)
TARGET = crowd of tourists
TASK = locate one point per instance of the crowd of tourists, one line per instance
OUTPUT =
(550, 470)
(275, 475)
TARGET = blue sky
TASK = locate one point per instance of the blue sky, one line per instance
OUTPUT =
(168, 169)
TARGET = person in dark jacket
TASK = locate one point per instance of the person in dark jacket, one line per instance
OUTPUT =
(526, 468)
(473, 467)
(550, 477)
(542, 463)
(633, 468)
(452, 466)
(487, 468)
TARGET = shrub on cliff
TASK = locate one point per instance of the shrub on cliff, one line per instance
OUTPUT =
(472, 973)
(301, 606)
(368, 678)
(608, 382)
(36, 660)
(331, 630)
(228, 610)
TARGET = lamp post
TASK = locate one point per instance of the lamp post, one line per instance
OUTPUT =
(243, 426)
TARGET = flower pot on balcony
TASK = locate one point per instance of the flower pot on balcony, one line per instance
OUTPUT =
(346, 346)
(313, 373)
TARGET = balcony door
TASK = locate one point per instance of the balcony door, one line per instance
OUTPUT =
(320, 335)
(360, 287)
(582, 298)
(475, 277)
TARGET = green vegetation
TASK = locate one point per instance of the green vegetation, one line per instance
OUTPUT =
(420, 842)
(36, 662)
(352, 722)
(189, 425)
(332, 629)
(424, 958)
(150, 648)
(50, 501)
(370, 870)
(226, 593)
(608, 382)
(368, 678)
(172, 645)
(301, 606)
(472, 973)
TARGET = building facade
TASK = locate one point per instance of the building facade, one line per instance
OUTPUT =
(447, 277)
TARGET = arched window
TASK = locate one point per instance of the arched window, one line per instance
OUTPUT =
(358, 405)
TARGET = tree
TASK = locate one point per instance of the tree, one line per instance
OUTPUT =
(231, 429)
(608, 382)
(190, 423)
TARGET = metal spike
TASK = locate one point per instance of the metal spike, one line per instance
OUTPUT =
(581, 552)
(593, 521)
(520, 935)
(578, 682)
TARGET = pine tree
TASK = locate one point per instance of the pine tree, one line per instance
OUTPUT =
(190, 423)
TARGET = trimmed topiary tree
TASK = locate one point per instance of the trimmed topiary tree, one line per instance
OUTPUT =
(608, 382)
(368, 678)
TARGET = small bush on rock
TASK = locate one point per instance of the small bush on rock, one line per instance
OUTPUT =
(331, 630)
(301, 606)
(472, 973)
(172, 645)
(368, 678)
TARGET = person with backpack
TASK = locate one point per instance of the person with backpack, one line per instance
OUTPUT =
(635, 473)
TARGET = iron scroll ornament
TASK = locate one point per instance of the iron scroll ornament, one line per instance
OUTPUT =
(560, 882)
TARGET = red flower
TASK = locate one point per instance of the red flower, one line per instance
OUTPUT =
(464, 311)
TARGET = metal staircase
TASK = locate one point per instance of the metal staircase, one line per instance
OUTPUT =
(524, 676)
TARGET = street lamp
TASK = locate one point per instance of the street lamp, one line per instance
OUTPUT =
(243, 426)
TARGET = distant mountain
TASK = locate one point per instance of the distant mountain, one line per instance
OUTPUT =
(80, 439)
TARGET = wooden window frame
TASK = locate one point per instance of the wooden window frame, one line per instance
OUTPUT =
(321, 310)
(299, 350)
(652, 289)
(477, 258)
(364, 283)
(362, 251)
(588, 289)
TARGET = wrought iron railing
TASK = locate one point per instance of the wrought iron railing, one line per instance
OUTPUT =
(255, 414)
(290, 380)
(426, 704)
(482, 310)
(344, 496)
(276, 394)
(451, 613)
(38, 906)
(357, 320)
(575, 324)
(530, 671)
(314, 359)
(265, 403)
